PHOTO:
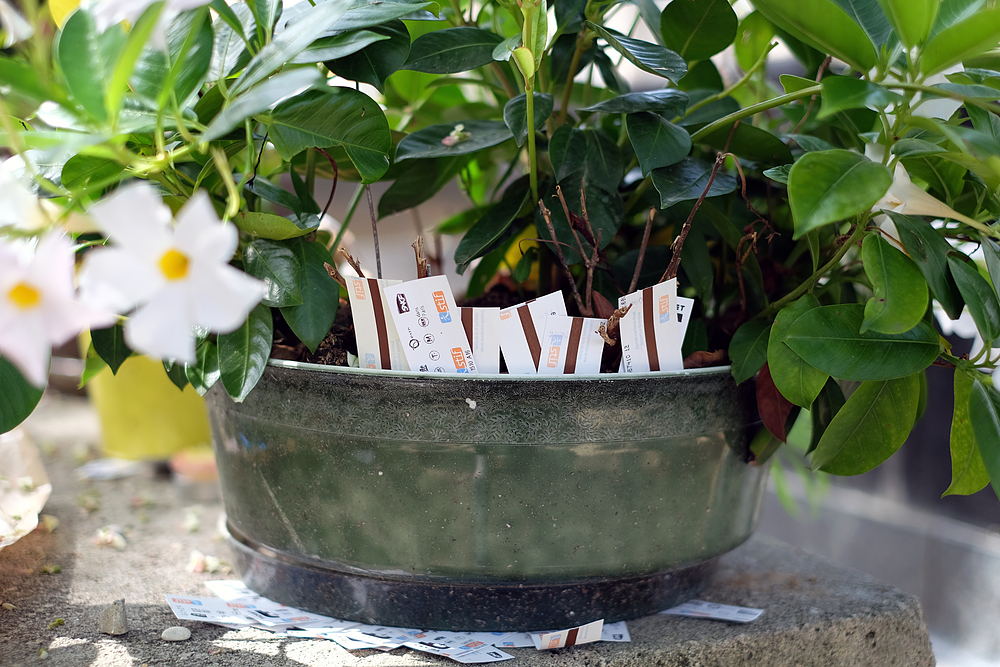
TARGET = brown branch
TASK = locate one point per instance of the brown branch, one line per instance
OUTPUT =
(336, 177)
(418, 250)
(335, 274)
(371, 211)
(812, 100)
(355, 264)
(609, 327)
(547, 216)
(642, 249)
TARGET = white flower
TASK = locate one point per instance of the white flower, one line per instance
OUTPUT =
(22, 210)
(177, 278)
(107, 13)
(906, 198)
(37, 309)
(15, 28)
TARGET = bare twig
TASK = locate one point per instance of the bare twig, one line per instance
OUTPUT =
(609, 327)
(547, 216)
(256, 165)
(812, 100)
(371, 211)
(355, 264)
(336, 177)
(569, 219)
(335, 274)
(418, 250)
(642, 249)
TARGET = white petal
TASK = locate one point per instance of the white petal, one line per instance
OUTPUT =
(918, 202)
(20, 207)
(137, 219)
(225, 297)
(116, 279)
(162, 328)
(14, 25)
(24, 344)
(107, 13)
(200, 235)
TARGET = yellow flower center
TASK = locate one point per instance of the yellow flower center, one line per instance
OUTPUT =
(24, 296)
(174, 264)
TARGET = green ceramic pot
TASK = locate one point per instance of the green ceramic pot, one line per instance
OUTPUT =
(486, 502)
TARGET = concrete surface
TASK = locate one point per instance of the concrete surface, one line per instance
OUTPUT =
(817, 613)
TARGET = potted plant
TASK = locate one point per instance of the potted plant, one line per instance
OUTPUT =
(819, 223)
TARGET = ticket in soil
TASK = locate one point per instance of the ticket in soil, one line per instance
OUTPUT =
(378, 341)
(430, 326)
(571, 345)
(684, 306)
(521, 330)
(715, 611)
(650, 331)
(212, 610)
(591, 632)
(482, 327)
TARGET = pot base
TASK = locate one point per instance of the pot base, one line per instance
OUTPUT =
(481, 606)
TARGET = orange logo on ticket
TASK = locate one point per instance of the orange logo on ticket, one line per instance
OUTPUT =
(458, 357)
(440, 302)
(553, 356)
(664, 304)
(359, 289)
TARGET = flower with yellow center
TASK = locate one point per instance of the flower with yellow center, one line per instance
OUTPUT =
(171, 278)
(37, 306)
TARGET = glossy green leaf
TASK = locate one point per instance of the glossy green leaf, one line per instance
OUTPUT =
(524, 265)
(175, 373)
(606, 211)
(334, 116)
(266, 12)
(702, 76)
(18, 397)
(979, 296)
(243, 353)
(374, 63)
(274, 227)
(991, 251)
(419, 181)
(869, 15)
(687, 180)
(651, 58)
(151, 69)
(427, 142)
(656, 141)
(515, 114)
(911, 19)
(338, 46)
(823, 410)
(110, 345)
(452, 50)
(908, 148)
(82, 173)
(779, 174)
(830, 186)
(844, 92)
(698, 29)
(204, 373)
(954, 11)
(984, 413)
(752, 39)
(666, 101)
(797, 381)
(365, 14)
(968, 472)
(900, 298)
(963, 40)
(830, 339)
(929, 250)
(750, 143)
(567, 150)
(822, 25)
(312, 320)
(485, 234)
(81, 58)
(650, 14)
(748, 349)
(793, 84)
(261, 98)
(871, 426)
(278, 267)
(603, 162)
(233, 18)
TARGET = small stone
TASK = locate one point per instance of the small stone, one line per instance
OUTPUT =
(112, 620)
(176, 634)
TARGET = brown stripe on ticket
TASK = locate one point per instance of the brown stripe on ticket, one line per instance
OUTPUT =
(467, 324)
(383, 333)
(647, 325)
(529, 333)
(571, 637)
(573, 348)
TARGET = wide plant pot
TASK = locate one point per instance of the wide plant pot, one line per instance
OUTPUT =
(489, 502)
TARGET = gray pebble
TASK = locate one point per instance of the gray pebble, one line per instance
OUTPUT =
(112, 620)
(176, 634)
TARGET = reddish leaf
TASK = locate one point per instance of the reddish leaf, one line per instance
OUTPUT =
(602, 307)
(773, 407)
(705, 359)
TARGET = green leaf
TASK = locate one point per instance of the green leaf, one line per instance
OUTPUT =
(930, 251)
(984, 413)
(338, 46)
(18, 397)
(567, 150)
(278, 267)
(992, 253)
(748, 349)
(261, 98)
(656, 141)
(963, 40)
(698, 29)
(523, 269)
(151, 70)
(603, 163)
(869, 15)
(483, 237)
(312, 321)
(275, 227)
(365, 14)
(968, 472)
(687, 180)
(980, 296)
(650, 14)
(666, 101)
(229, 50)
(243, 353)
(822, 25)
(427, 142)
(911, 19)
(908, 148)
(175, 372)
(900, 298)
(778, 174)
(797, 381)
(823, 410)
(110, 346)
(290, 43)
(954, 11)
(374, 63)
(334, 116)
(651, 58)
(829, 186)
(80, 56)
(752, 39)
(205, 371)
(419, 181)
(844, 92)
(870, 427)
(750, 143)
(829, 339)
(452, 50)
(515, 114)
(793, 84)
(84, 173)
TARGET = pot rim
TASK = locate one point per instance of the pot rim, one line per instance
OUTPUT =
(602, 377)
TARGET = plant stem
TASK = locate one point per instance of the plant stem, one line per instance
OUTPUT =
(310, 171)
(532, 161)
(355, 199)
(582, 44)
(753, 110)
(761, 61)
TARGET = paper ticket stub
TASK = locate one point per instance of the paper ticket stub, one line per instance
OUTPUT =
(715, 611)
(430, 326)
(521, 329)
(516, 640)
(650, 332)
(213, 610)
(478, 654)
(684, 309)
(571, 345)
(482, 328)
(378, 341)
(591, 632)
(615, 632)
